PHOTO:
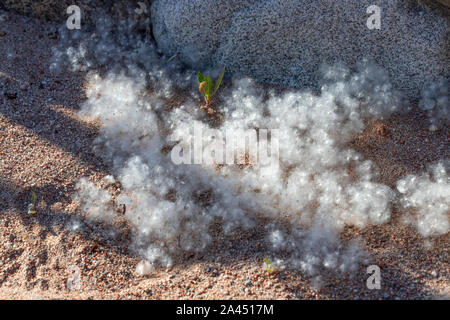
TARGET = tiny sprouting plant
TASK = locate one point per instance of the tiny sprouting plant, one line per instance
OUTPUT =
(32, 205)
(268, 265)
(206, 86)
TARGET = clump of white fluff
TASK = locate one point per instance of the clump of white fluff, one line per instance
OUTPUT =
(95, 202)
(429, 195)
(144, 268)
(312, 177)
(316, 249)
(316, 180)
(131, 141)
(436, 102)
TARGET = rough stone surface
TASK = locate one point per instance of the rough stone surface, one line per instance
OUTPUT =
(193, 27)
(285, 41)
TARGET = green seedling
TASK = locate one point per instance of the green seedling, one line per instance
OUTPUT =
(206, 86)
(32, 205)
(268, 265)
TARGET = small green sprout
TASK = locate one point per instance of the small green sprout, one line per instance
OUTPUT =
(32, 205)
(206, 86)
(268, 265)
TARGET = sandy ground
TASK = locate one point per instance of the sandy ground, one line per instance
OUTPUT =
(45, 147)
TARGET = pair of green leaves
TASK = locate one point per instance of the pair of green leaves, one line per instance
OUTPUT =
(268, 265)
(206, 84)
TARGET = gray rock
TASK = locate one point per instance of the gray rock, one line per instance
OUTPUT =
(285, 41)
(193, 27)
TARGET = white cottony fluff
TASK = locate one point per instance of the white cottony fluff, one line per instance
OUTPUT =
(436, 102)
(317, 248)
(429, 195)
(316, 181)
(144, 268)
(95, 202)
